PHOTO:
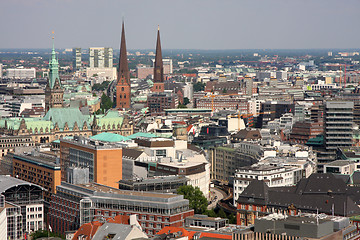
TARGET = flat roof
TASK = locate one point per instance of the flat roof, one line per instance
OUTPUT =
(40, 160)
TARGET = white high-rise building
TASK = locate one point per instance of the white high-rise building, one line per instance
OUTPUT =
(101, 57)
(0, 70)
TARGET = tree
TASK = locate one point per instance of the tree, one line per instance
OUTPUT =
(45, 234)
(199, 87)
(106, 102)
(186, 101)
(182, 106)
(100, 86)
(197, 200)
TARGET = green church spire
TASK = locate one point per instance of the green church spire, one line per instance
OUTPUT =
(54, 68)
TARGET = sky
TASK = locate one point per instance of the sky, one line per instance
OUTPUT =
(184, 24)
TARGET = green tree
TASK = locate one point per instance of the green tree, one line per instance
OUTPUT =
(100, 86)
(186, 101)
(199, 87)
(45, 234)
(182, 106)
(106, 102)
(197, 200)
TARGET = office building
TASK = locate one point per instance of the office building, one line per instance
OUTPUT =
(9, 143)
(123, 86)
(338, 124)
(104, 160)
(101, 57)
(38, 168)
(273, 176)
(158, 102)
(226, 159)
(74, 205)
(76, 58)
(21, 73)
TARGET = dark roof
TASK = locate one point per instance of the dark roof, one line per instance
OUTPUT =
(131, 153)
(247, 134)
(323, 192)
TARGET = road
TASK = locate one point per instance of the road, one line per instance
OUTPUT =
(215, 195)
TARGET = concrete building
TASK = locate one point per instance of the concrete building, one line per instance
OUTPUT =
(226, 159)
(203, 221)
(107, 74)
(101, 57)
(344, 167)
(76, 58)
(21, 73)
(9, 143)
(74, 205)
(273, 176)
(157, 102)
(104, 160)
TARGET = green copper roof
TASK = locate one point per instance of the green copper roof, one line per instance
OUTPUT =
(318, 140)
(142, 134)
(110, 137)
(69, 115)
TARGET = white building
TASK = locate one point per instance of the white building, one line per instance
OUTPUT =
(274, 176)
(101, 74)
(101, 57)
(21, 73)
(0, 70)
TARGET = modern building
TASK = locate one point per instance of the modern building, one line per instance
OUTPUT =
(103, 159)
(76, 58)
(165, 184)
(54, 93)
(74, 205)
(123, 86)
(101, 57)
(158, 102)
(203, 221)
(38, 168)
(26, 200)
(338, 124)
(21, 73)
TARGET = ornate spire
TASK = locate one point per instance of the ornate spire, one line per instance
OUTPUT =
(123, 69)
(53, 67)
(158, 66)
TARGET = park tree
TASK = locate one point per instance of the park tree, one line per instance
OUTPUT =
(197, 200)
(199, 87)
(106, 103)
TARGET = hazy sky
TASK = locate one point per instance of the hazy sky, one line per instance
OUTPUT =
(184, 24)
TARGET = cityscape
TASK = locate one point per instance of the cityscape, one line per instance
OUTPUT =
(224, 141)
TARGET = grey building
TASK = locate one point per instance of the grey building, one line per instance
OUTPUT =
(199, 220)
(76, 58)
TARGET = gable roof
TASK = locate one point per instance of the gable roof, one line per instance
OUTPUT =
(66, 115)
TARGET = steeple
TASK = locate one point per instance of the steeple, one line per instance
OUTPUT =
(158, 67)
(54, 93)
(123, 68)
(123, 87)
(53, 68)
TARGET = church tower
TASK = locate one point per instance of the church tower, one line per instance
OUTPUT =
(158, 67)
(54, 93)
(123, 88)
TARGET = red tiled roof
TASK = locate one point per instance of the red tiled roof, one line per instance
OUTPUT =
(190, 234)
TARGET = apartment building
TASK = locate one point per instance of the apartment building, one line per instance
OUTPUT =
(9, 143)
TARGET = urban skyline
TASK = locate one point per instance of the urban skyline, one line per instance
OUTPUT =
(187, 25)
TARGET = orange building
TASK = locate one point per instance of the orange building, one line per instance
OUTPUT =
(104, 160)
(38, 168)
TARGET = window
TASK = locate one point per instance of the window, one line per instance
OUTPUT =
(160, 153)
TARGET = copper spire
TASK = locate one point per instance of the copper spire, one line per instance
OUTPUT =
(158, 66)
(123, 69)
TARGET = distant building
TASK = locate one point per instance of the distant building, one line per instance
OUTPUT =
(159, 101)
(101, 57)
(76, 58)
(21, 73)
